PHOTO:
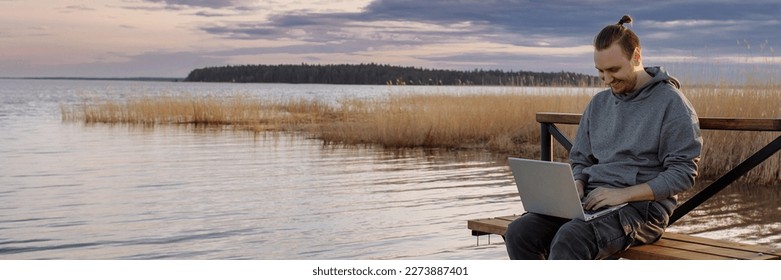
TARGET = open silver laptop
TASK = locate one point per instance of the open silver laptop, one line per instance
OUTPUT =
(549, 188)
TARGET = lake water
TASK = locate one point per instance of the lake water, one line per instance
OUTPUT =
(75, 191)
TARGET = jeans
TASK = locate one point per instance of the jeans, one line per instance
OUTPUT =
(535, 236)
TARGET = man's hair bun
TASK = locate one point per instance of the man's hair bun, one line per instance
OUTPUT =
(625, 19)
(618, 33)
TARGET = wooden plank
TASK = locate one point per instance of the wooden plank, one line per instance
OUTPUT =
(488, 226)
(731, 252)
(765, 250)
(496, 225)
(654, 252)
(741, 124)
(744, 124)
(562, 118)
(672, 245)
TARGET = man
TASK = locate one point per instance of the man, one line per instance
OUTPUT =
(637, 142)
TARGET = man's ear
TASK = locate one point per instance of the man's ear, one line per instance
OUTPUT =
(637, 54)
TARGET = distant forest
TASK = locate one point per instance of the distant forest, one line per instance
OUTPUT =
(376, 74)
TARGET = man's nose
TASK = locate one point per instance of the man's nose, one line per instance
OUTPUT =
(607, 79)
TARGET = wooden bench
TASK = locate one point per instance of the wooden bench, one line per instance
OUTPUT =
(672, 246)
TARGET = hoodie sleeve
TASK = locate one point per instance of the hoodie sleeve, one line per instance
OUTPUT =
(679, 153)
(580, 154)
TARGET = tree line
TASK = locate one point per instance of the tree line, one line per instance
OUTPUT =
(376, 74)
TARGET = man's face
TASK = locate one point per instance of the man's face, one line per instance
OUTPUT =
(615, 69)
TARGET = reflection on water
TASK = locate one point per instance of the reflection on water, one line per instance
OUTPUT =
(118, 192)
(742, 213)
(69, 191)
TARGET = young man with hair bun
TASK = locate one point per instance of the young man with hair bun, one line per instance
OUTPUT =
(638, 142)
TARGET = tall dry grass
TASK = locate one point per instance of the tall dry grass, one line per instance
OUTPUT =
(499, 122)
(502, 123)
(725, 149)
(238, 111)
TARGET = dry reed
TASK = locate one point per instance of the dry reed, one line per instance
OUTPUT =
(499, 122)
(502, 123)
(239, 111)
(725, 149)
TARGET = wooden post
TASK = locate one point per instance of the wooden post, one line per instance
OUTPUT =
(546, 143)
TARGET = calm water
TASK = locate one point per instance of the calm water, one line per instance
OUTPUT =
(74, 191)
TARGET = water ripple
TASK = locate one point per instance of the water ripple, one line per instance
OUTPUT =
(69, 191)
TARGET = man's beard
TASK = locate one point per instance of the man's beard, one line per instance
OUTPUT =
(623, 87)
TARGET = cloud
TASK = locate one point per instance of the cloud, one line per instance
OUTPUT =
(242, 31)
(212, 8)
(432, 31)
(392, 22)
(510, 33)
(79, 8)
(214, 4)
(212, 14)
(506, 34)
(165, 64)
(709, 25)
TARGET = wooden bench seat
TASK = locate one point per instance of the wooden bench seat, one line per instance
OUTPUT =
(672, 246)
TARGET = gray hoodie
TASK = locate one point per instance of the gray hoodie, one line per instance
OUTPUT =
(648, 136)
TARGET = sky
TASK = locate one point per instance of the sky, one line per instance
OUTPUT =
(169, 38)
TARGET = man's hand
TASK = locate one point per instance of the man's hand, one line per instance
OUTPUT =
(602, 196)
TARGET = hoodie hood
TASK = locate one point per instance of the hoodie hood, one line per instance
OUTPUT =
(658, 76)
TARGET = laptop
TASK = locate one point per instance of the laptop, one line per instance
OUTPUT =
(548, 188)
